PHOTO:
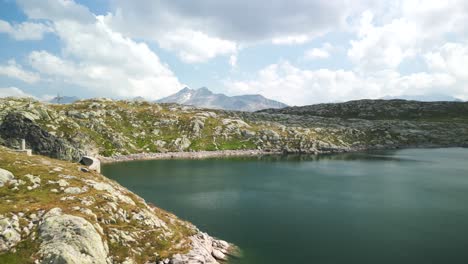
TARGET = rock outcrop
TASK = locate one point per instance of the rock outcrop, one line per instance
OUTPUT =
(53, 213)
(17, 126)
(70, 239)
(115, 128)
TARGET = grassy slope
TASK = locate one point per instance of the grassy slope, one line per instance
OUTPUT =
(42, 198)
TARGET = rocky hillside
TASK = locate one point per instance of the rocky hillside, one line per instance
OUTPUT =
(54, 211)
(59, 212)
(382, 110)
(111, 128)
(203, 97)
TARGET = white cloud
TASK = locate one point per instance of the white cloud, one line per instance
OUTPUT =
(199, 31)
(56, 10)
(239, 21)
(451, 58)
(383, 47)
(295, 86)
(405, 29)
(97, 58)
(13, 92)
(16, 71)
(319, 53)
(195, 46)
(25, 30)
(291, 40)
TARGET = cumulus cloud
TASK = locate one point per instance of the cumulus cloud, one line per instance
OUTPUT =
(25, 30)
(381, 47)
(382, 38)
(451, 58)
(195, 46)
(97, 58)
(243, 20)
(204, 29)
(292, 85)
(56, 10)
(16, 71)
(412, 28)
(13, 92)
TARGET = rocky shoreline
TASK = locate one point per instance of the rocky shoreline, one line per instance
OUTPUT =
(186, 155)
(65, 214)
(255, 153)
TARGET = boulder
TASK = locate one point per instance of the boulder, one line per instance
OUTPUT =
(68, 239)
(74, 190)
(182, 144)
(218, 254)
(5, 176)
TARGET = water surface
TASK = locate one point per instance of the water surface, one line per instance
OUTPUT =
(406, 206)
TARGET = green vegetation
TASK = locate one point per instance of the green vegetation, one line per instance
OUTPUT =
(94, 205)
(111, 128)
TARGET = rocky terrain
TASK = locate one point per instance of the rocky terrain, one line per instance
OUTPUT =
(54, 211)
(382, 110)
(103, 127)
(203, 97)
(60, 212)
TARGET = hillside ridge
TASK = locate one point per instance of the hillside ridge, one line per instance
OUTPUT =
(114, 128)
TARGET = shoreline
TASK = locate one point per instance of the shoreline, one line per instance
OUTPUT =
(206, 154)
(186, 155)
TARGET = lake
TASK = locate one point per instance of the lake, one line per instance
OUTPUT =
(403, 206)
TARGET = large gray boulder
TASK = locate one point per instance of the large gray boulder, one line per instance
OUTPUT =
(68, 239)
(5, 176)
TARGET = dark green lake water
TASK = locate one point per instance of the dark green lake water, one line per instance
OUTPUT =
(406, 206)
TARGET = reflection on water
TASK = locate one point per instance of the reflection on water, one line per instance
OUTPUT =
(402, 206)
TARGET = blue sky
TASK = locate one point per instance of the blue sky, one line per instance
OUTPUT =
(296, 51)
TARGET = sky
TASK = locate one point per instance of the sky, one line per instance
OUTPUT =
(296, 51)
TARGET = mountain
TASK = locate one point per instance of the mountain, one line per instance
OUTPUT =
(139, 99)
(425, 98)
(64, 100)
(205, 98)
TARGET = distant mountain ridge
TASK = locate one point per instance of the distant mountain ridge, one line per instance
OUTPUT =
(425, 98)
(64, 100)
(203, 97)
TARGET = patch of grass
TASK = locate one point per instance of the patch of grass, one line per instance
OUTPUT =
(24, 254)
